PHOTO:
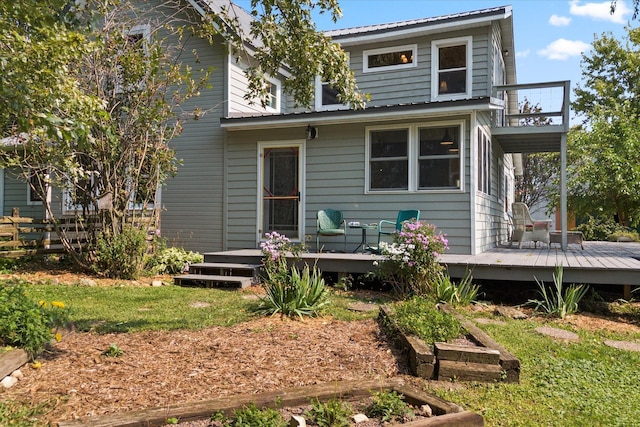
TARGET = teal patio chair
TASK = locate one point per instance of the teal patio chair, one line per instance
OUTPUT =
(330, 223)
(384, 226)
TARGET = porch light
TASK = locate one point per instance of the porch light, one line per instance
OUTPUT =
(312, 132)
(446, 139)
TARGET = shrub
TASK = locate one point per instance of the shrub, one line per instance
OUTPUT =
(388, 406)
(419, 316)
(122, 255)
(333, 413)
(601, 229)
(252, 416)
(558, 301)
(25, 323)
(462, 293)
(411, 263)
(288, 291)
(172, 260)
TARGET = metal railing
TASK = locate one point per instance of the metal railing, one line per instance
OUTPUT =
(532, 104)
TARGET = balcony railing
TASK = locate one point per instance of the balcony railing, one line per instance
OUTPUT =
(533, 104)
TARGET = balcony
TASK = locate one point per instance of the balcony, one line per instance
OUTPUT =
(531, 118)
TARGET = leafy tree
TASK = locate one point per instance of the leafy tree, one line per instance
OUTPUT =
(97, 103)
(604, 154)
(286, 34)
(537, 184)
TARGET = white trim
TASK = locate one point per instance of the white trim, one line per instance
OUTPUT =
(301, 145)
(435, 68)
(366, 53)
(472, 182)
(412, 155)
(278, 95)
(29, 193)
(318, 98)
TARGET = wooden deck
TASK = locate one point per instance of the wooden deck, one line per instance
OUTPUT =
(605, 263)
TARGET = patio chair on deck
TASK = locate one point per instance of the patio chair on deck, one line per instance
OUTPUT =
(384, 226)
(330, 223)
(526, 229)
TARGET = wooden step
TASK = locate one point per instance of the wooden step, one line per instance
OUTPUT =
(212, 280)
(464, 353)
(225, 268)
(464, 371)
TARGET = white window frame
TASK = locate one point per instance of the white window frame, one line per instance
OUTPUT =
(413, 157)
(318, 94)
(435, 67)
(484, 159)
(67, 206)
(145, 31)
(30, 193)
(366, 53)
(275, 83)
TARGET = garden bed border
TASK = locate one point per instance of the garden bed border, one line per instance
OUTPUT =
(424, 363)
(447, 413)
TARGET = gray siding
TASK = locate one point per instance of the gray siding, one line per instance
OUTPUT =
(414, 84)
(237, 88)
(193, 199)
(335, 178)
(490, 223)
(15, 196)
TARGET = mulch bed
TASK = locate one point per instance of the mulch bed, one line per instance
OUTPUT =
(161, 368)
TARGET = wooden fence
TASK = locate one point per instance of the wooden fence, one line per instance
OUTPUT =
(22, 236)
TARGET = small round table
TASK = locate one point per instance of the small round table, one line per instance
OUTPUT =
(364, 227)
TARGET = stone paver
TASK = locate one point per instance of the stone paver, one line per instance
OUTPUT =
(558, 333)
(623, 345)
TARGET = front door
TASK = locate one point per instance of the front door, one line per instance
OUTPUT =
(280, 202)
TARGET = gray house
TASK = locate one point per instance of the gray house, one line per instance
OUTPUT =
(440, 134)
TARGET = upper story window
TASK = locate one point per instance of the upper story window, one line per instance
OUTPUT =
(273, 97)
(390, 58)
(415, 157)
(131, 77)
(451, 68)
(327, 97)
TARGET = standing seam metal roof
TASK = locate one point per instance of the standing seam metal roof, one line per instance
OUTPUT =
(392, 26)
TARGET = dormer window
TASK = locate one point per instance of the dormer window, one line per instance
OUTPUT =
(390, 58)
(451, 68)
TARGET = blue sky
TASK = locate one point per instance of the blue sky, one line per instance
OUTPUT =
(549, 35)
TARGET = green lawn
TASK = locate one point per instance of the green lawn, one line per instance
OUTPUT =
(583, 383)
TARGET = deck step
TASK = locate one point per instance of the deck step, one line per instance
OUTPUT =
(212, 280)
(235, 269)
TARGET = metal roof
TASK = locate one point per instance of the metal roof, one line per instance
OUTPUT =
(418, 23)
(390, 112)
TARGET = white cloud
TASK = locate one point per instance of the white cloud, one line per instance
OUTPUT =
(563, 49)
(523, 53)
(601, 11)
(559, 21)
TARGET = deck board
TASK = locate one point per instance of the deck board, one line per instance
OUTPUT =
(611, 263)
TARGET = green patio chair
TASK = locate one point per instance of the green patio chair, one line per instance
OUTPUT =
(330, 223)
(384, 226)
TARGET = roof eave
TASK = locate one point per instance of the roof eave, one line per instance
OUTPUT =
(393, 112)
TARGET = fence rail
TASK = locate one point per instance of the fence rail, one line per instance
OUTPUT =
(24, 236)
